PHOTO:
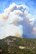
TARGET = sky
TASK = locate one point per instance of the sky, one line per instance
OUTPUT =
(31, 3)
(18, 18)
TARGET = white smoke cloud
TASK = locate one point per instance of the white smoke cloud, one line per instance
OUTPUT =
(12, 20)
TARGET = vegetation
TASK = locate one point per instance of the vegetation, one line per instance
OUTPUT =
(10, 45)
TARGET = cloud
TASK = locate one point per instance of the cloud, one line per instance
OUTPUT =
(10, 22)
(14, 20)
(29, 17)
(11, 30)
(34, 31)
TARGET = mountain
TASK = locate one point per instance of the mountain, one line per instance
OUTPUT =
(16, 45)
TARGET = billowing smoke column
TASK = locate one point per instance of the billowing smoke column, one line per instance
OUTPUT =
(16, 21)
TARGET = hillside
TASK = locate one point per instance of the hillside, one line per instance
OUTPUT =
(14, 45)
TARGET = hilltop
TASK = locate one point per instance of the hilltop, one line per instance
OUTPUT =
(16, 45)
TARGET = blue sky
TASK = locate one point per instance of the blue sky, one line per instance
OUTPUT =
(5, 3)
(30, 3)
